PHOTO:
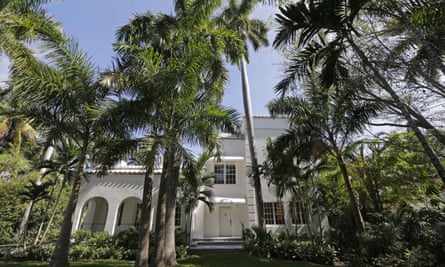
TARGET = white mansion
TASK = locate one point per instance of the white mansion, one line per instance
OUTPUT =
(111, 202)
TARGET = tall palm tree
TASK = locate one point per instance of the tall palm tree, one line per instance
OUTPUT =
(23, 23)
(171, 67)
(338, 19)
(235, 17)
(65, 96)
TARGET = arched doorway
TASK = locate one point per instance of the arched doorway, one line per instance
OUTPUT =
(128, 214)
(94, 215)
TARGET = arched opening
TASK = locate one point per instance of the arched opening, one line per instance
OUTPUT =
(128, 214)
(94, 215)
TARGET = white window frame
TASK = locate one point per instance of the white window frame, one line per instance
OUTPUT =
(228, 173)
(270, 209)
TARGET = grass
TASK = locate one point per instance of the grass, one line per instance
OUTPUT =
(229, 259)
(238, 259)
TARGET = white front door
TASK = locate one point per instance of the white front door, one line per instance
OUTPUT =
(225, 221)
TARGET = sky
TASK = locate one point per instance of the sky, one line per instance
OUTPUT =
(93, 23)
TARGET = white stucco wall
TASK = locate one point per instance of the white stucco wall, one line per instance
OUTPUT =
(114, 188)
(126, 184)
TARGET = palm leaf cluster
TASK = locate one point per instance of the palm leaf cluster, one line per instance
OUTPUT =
(334, 35)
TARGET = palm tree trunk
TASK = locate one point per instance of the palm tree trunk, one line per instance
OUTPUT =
(45, 215)
(358, 218)
(170, 242)
(59, 257)
(53, 214)
(165, 249)
(23, 227)
(159, 232)
(403, 108)
(250, 140)
(142, 253)
(21, 232)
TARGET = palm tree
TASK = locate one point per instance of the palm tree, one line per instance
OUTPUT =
(34, 192)
(62, 166)
(420, 23)
(22, 23)
(293, 160)
(323, 121)
(337, 19)
(14, 127)
(67, 97)
(195, 186)
(171, 67)
(236, 18)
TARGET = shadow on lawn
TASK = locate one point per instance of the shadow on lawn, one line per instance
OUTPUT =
(237, 259)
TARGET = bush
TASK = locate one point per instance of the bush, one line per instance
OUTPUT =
(121, 246)
(260, 243)
(407, 237)
(91, 245)
(81, 251)
(181, 251)
(40, 253)
(125, 244)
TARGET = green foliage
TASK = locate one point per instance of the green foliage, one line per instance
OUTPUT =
(181, 251)
(408, 237)
(258, 242)
(391, 171)
(11, 210)
(40, 253)
(87, 245)
(92, 245)
(125, 244)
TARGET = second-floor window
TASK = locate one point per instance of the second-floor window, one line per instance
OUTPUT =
(273, 212)
(225, 174)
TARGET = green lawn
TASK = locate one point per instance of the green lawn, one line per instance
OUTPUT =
(232, 259)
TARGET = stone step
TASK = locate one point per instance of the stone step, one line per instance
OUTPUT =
(218, 243)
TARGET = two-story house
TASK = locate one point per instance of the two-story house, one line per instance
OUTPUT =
(111, 203)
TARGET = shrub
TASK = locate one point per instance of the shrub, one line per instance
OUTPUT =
(407, 237)
(125, 244)
(181, 251)
(39, 253)
(260, 243)
(81, 252)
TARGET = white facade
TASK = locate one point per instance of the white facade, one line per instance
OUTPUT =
(111, 203)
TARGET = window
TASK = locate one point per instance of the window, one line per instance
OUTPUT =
(299, 213)
(225, 174)
(178, 215)
(273, 212)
